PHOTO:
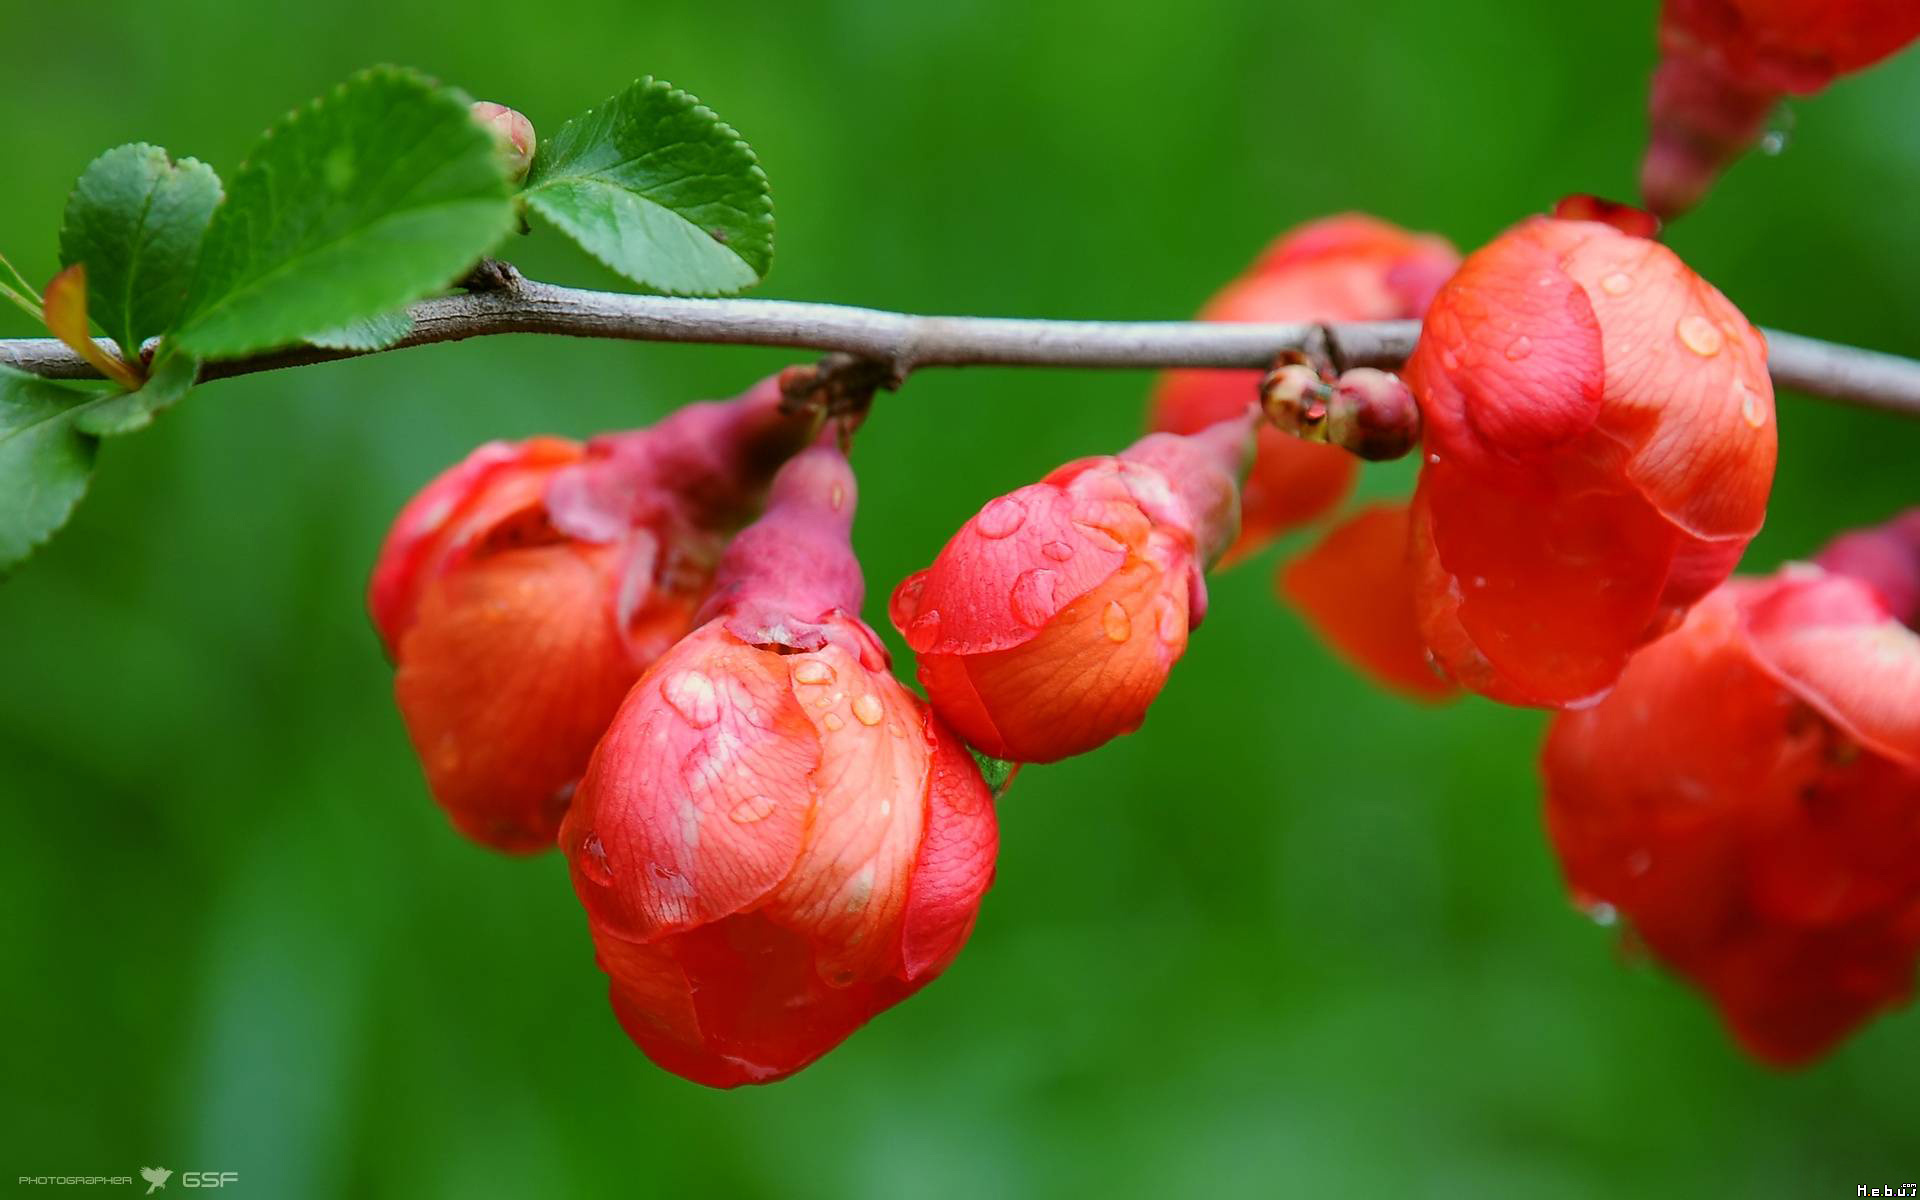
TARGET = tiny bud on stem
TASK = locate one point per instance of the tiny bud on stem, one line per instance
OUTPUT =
(512, 131)
(1368, 413)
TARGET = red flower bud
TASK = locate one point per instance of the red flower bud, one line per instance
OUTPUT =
(1725, 64)
(1344, 268)
(1600, 444)
(1355, 587)
(1749, 798)
(522, 592)
(1048, 624)
(775, 839)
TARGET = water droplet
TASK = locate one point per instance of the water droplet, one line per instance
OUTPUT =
(1168, 621)
(694, 697)
(1699, 335)
(837, 497)
(924, 630)
(1450, 360)
(1116, 622)
(1519, 348)
(754, 808)
(1057, 551)
(1000, 517)
(1479, 581)
(867, 710)
(593, 861)
(1772, 142)
(1033, 597)
(1617, 284)
(1601, 913)
(1433, 458)
(833, 722)
(813, 671)
(895, 730)
(1750, 410)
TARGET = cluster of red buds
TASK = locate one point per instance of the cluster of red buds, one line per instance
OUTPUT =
(649, 649)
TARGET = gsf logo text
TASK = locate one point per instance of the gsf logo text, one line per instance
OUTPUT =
(208, 1179)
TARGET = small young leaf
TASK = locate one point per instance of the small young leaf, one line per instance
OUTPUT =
(371, 333)
(354, 206)
(45, 461)
(656, 186)
(136, 219)
(124, 412)
(997, 772)
(65, 312)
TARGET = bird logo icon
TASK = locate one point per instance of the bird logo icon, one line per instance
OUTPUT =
(156, 1177)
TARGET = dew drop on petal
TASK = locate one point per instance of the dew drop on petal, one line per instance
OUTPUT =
(924, 630)
(867, 710)
(837, 497)
(1617, 284)
(593, 860)
(753, 808)
(813, 671)
(1601, 913)
(1057, 551)
(1450, 360)
(694, 697)
(1433, 458)
(1699, 335)
(1750, 410)
(1033, 597)
(1168, 621)
(1519, 348)
(1116, 622)
(1000, 517)
(833, 722)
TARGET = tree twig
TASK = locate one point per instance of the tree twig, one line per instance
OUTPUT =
(904, 343)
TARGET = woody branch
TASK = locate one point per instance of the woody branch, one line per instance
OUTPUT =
(902, 342)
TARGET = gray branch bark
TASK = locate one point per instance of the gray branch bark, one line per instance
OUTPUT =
(906, 343)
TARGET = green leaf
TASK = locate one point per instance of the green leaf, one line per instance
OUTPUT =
(657, 187)
(356, 205)
(136, 219)
(997, 772)
(173, 374)
(370, 333)
(45, 461)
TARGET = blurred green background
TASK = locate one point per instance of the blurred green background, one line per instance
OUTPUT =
(1293, 935)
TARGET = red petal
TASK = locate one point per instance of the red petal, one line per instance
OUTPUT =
(495, 484)
(697, 800)
(956, 859)
(1831, 640)
(1013, 566)
(1086, 678)
(1356, 588)
(507, 679)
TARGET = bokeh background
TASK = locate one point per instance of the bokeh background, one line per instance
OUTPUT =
(1295, 934)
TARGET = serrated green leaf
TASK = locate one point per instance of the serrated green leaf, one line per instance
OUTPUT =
(656, 186)
(370, 333)
(356, 205)
(45, 461)
(136, 219)
(172, 377)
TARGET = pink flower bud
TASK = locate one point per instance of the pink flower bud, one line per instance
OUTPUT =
(512, 131)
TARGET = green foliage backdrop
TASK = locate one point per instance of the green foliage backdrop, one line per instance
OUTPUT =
(1293, 935)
